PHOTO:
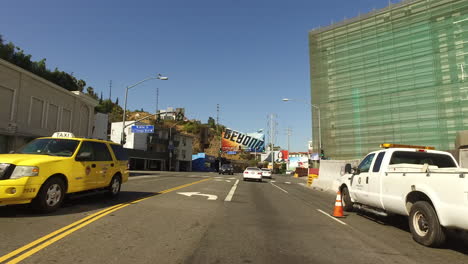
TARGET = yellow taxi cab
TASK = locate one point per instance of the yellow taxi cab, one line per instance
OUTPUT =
(46, 169)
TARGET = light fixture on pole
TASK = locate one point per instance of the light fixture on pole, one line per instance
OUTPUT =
(159, 77)
(319, 121)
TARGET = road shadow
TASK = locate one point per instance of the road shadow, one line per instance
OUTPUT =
(150, 173)
(457, 240)
(76, 204)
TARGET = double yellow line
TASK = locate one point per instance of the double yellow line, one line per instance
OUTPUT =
(55, 236)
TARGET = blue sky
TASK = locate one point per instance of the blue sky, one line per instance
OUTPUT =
(242, 54)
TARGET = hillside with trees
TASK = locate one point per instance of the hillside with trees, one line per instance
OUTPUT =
(206, 135)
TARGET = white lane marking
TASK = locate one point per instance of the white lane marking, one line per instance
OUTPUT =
(279, 187)
(218, 177)
(288, 182)
(231, 192)
(218, 180)
(210, 196)
(232, 178)
(228, 181)
(339, 221)
(303, 184)
(141, 177)
(272, 181)
(205, 176)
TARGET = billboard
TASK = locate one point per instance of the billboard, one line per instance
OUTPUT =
(278, 156)
(281, 156)
(298, 162)
(233, 140)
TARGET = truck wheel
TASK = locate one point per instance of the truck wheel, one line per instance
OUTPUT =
(424, 225)
(346, 200)
(114, 186)
(50, 196)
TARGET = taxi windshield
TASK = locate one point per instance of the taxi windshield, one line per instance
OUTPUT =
(51, 146)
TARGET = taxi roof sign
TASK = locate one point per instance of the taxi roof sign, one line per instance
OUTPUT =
(63, 135)
(391, 145)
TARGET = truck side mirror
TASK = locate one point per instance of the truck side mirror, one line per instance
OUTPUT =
(348, 168)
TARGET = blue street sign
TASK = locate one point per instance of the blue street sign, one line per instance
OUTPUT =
(142, 129)
(231, 152)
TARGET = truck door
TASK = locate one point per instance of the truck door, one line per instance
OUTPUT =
(371, 183)
(358, 183)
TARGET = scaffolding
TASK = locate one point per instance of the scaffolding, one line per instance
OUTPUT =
(396, 75)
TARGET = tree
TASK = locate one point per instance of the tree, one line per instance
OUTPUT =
(211, 122)
(17, 56)
(90, 92)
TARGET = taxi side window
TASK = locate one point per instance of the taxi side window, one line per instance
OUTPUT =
(119, 152)
(101, 152)
(87, 147)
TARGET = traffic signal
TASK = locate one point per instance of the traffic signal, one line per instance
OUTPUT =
(322, 154)
(124, 139)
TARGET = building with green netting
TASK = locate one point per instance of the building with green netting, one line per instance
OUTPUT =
(395, 75)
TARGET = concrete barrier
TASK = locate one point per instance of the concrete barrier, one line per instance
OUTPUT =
(329, 174)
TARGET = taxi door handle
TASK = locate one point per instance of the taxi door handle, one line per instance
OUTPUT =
(93, 165)
(367, 180)
(112, 164)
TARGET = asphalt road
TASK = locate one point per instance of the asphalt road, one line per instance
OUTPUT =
(207, 218)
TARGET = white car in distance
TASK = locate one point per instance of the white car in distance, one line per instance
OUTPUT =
(266, 173)
(252, 173)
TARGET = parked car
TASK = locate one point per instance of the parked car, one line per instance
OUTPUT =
(252, 173)
(423, 184)
(289, 172)
(226, 169)
(47, 169)
(266, 173)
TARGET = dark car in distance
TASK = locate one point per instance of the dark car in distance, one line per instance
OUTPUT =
(226, 169)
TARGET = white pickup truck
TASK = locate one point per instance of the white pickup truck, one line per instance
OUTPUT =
(415, 181)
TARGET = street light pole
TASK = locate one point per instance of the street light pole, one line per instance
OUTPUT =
(159, 77)
(319, 121)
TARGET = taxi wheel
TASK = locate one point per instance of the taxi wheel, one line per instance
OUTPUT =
(50, 196)
(114, 186)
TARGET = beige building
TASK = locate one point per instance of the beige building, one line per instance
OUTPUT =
(31, 107)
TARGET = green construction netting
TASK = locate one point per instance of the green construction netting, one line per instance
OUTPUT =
(399, 75)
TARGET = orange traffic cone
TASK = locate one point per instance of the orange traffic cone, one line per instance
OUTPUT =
(338, 211)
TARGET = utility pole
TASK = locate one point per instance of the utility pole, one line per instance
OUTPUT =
(288, 133)
(110, 90)
(271, 126)
(157, 100)
(220, 137)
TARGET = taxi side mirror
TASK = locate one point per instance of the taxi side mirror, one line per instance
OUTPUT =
(83, 156)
